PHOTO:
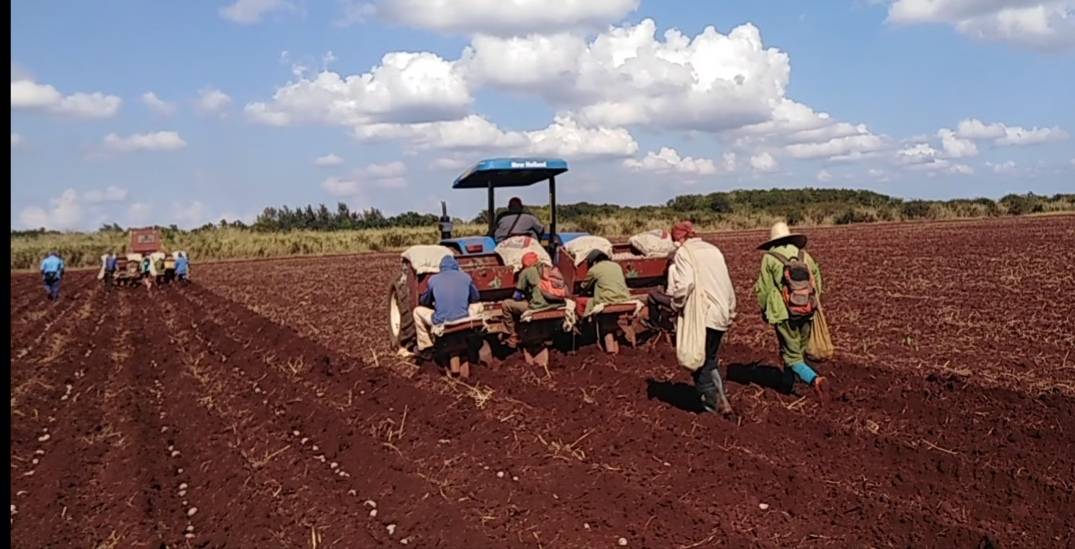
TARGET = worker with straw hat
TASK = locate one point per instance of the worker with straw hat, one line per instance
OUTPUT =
(789, 290)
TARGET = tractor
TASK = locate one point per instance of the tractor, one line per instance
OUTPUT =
(471, 340)
(143, 242)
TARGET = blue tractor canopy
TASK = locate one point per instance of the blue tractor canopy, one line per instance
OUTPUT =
(512, 172)
(509, 172)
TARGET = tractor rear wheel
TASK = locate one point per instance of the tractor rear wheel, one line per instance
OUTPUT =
(401, 315)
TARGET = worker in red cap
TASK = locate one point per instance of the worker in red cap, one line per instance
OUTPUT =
(699, 290)
(517, 222)
(527, 296)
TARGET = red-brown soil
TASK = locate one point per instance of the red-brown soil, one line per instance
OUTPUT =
(266, 397)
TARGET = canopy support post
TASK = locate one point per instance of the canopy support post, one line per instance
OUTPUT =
(492, 210)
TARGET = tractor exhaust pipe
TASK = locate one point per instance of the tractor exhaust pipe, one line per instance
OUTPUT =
(445, 223)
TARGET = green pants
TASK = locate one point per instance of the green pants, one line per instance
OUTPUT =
(793, 335)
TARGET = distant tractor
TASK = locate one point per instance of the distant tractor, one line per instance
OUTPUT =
(478, 256)
(146, 242)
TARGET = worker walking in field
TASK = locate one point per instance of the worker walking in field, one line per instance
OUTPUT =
(147, 278)
(789, 289)
(700, 290)
(52, 272)
(182, 268)
(110, 264)
(605, 278)
(517, 222)
(451, 296)
(527, 297)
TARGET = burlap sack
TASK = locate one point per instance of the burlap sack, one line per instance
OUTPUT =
(655, 243)
(426, 259)
(512, 250)
(580, 247)
(819, 347)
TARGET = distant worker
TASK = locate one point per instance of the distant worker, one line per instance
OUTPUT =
(605, 277)
(517, 222)
(700, 290)
(52, 272)
(182, 268)
(158, 268)
(451, 296)
(527, 297)
(145, 270)
(788, 290)
(110, 265)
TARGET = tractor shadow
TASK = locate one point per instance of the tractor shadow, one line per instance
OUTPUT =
(762, 375)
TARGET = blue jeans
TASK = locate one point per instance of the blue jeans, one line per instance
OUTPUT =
(707, 378)
(53, 288)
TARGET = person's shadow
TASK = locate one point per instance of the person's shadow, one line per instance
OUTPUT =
(674, 393)
(685, 397)
(762, 375)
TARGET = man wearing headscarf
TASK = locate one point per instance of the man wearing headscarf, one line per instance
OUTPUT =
(451, 296)
(698, 270)
(517, 221)
(527, 296)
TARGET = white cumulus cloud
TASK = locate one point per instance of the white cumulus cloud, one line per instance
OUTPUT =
(212, 100)
(763, 162)
(405, 87)
(29, 95)
(954, 146)
(824, 175)
(71, 209)
(839, 146)
(668, 160)
(1005, 168)
(1002, 134)
(157, 104)
(248, 12)
(156, 141)
(564, 137)
(1039, 24)
(111, 193)
(389, 175)
(923, 157)
(504, 18)
(328, 160)
(628, 76)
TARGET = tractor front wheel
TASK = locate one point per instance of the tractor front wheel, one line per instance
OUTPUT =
(401, 315)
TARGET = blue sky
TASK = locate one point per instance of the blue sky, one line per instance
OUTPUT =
(261, 103)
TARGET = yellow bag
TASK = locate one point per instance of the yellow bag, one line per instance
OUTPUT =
(819, 347)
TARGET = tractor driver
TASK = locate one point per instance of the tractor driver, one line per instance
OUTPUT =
(517, 221)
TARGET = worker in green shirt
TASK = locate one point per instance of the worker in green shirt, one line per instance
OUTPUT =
(788, 289)
(605, 278)
(527, 297)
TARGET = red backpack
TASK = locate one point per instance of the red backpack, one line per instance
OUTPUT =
(798, 289)
(552, 285)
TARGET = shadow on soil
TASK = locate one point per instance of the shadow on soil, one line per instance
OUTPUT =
(677, 394)
(762, 375)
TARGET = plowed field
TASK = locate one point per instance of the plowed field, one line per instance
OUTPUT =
(263, 407)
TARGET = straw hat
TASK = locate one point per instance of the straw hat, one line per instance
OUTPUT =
(780, 234)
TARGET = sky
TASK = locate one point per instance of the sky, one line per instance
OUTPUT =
(189, 112)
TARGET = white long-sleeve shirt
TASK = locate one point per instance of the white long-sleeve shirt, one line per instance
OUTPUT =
(708, 273)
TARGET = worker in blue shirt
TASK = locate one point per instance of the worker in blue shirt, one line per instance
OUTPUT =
(52, 272)
(110, 270)
(182, 268)
(451, 296)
